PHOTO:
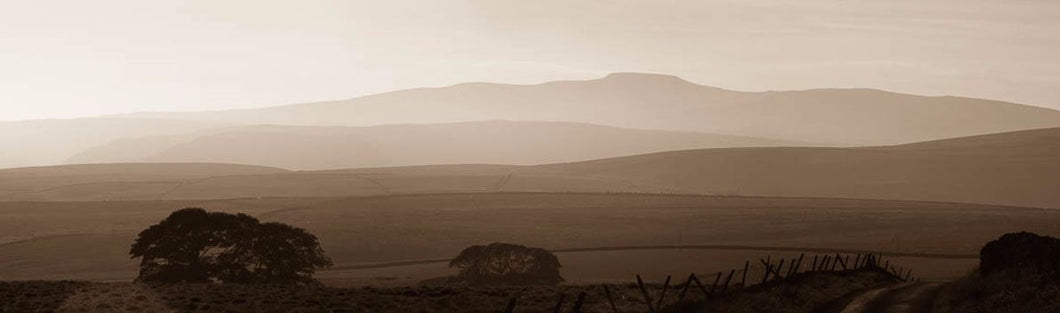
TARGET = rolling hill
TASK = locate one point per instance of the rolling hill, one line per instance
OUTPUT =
(1017, 168)
(51, 142)
(823, 117)
(852, 117)
(489, 142)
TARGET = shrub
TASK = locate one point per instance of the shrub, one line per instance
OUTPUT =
(193, 245)
(503, 263)
(1022, 252)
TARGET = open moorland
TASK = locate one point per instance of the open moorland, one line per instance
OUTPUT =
(402, 239)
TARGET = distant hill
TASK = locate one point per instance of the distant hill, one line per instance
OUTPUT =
(1017, 168)
(51, 142)
(650, 101)
(490, 142)
(824, 117)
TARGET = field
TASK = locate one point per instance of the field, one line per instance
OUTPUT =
(400, 240)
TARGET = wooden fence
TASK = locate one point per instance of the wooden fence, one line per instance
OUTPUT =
(736, 279)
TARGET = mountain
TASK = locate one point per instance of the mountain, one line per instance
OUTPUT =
(826, 117)
(853, 117)
(51, 142)
(488, 142)
(1015, 168)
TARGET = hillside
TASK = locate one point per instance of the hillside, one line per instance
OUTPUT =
(112, 181)
(491, 142)
(1019, 168)
(651, 101)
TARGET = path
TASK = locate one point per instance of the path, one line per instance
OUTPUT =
(914, 297)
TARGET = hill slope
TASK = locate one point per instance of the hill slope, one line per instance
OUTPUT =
(650, 101)
(493, 142)
(1019, 168)
(112, 181)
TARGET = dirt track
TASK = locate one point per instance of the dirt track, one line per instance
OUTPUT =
(901, 298)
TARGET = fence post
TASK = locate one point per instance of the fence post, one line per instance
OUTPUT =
(727, 280)
(835, 261)
(700, 285)
(842, 262)
(743, 280)
(791, 268)
(644, 291)
(813, 268)
(610, 299)
(559, 304)
(662, 296)
(578, 304)
(857, 261)
(780, 267)
(688, 283)
(768, 268)
(511, 305)
(798, 266)
(714, 288)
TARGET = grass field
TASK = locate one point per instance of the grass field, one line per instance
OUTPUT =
(43, 237)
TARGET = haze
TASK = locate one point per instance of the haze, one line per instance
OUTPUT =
(62, 59)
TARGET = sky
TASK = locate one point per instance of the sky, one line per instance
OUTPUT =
(63, 59)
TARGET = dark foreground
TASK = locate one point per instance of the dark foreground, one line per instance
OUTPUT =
(808, 292)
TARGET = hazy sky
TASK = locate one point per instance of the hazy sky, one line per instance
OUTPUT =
(78, 58)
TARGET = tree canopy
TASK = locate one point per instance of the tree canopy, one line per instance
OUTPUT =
(193, 245)
(504, 263)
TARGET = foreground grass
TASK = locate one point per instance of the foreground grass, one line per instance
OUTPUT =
(54, 296)
(802, 293)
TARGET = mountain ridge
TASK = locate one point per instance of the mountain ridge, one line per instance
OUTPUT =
(330, 147)
(856, 116)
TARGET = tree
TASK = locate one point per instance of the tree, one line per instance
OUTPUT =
(503, 263)
(193, 245)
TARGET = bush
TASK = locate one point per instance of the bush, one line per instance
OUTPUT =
(1023, 252)
(503, 263)
(193, 245)
(1018, 273)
